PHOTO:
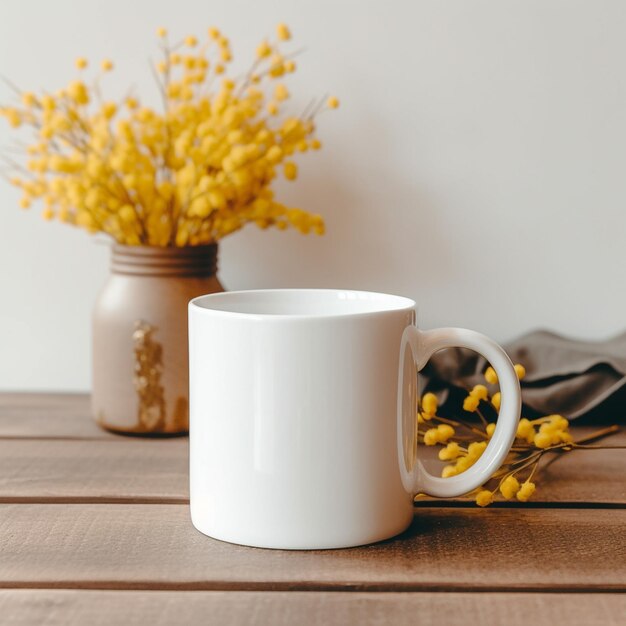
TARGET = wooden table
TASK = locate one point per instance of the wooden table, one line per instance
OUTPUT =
(95, 529)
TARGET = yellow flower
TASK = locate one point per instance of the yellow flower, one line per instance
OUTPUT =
(109, 109)
(429, 404)
(188, 175)
(48, 103)
(445, 431)
(280, 92)
(491, 428)
(290, 170)
(332, 102)
(520, 370)
(29, 99)
(484, 498)
(80, 63)
(431, 437)
(277, 66)
(525, 429)
(450, 452)
(509, 487)
(448, 470)
(78, 92)
(272, 108)
(274, 154)
(480, 392)
(470, 404)
(191, 41)
(490, 376)
(475, 450)
(282, 32)
(290, 66)
(106, 65)
(543, 440)
(526, 491)
(263, 50)
(495, 400)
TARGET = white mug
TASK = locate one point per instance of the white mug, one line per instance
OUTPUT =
(303, 415)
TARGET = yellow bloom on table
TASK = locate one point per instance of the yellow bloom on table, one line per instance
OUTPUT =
(509, 487)
(496, 400)
(448, 470)
(80, 63)
(471, 403)
(429, 405)
(484, 498)
(525, 430)
(450, 452)
(526, 491)
(106, 65)
(431, 437)
(332, 102)
(161, 32)
(191, 41)
(490, 376)
(444, 432)
(480, 392)
(520, 370)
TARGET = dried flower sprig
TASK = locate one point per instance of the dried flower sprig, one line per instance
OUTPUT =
(189, 174)
(463, 441)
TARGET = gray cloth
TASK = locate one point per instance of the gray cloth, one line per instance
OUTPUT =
(571, 377)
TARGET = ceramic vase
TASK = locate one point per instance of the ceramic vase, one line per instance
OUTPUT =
(140, 344)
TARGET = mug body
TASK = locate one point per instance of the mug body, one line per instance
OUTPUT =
(293, 417)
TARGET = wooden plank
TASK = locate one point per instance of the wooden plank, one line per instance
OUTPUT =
(155, 547)
(131, 470)
(57, 415)
(75, 608)
(150, 470)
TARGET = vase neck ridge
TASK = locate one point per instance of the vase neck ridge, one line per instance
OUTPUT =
(191, 261)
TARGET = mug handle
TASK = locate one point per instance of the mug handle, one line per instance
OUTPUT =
(423, 345)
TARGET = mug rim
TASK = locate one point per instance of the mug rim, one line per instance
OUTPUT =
(393, 303)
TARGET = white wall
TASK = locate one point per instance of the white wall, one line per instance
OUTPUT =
(477, 163)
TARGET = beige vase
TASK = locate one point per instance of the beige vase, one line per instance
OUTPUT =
(140, 352)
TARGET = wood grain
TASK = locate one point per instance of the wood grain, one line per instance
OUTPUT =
(77, 608)
(153, 470)
(156, 547)
(131, 470)
(57, 415)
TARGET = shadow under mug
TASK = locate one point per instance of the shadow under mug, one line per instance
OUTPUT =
(303, 416)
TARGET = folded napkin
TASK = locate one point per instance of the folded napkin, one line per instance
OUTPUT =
(571, 377)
